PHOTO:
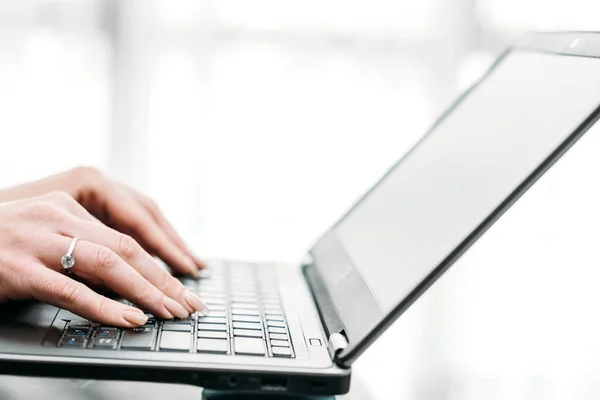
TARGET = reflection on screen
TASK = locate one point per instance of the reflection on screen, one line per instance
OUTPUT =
(459, 174)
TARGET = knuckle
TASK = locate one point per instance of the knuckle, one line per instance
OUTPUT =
(67, 292)
(105, 259)
(128, 247)
(139, 223)
(42, 209)
(60, 196)
(145, 294)
(103, 307)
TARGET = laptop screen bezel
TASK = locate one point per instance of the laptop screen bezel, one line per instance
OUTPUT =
(560, 44)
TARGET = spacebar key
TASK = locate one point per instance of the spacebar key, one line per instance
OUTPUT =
(249, 346)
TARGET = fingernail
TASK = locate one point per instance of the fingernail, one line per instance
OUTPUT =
(200, 264)
(175, 308)
(134, 316)
(194, 301)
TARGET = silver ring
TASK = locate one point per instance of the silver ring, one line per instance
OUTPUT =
(67, 261)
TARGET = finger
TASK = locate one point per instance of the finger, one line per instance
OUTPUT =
(97, 262)
(125, 214)
(166, 226)
(141, 225)
(132, 253)
(52, 287)
(126, 217)
(170, 231)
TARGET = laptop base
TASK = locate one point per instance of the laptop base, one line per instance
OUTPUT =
(209, 394)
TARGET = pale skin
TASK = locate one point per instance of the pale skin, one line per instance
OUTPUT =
(119, 231)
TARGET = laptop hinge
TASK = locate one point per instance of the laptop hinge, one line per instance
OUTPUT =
(337, 342)
(330, 317)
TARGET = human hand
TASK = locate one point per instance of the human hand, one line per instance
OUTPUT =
(119, 207)
(36, 232)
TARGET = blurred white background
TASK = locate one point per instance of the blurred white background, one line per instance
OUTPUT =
(255, 124)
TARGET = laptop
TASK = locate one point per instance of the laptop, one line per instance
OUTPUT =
(299, 328)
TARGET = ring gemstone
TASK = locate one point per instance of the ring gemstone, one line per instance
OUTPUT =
(67, 261)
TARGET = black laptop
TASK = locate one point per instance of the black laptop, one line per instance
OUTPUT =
(298, 328)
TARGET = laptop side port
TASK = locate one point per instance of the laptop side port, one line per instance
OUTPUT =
(274, 383)
(233, 381)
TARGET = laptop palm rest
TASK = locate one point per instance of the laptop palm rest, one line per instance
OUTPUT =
(35, 317)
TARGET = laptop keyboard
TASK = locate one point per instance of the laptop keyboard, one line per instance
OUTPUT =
(246, 318)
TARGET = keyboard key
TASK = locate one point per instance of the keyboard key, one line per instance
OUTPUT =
(138, 338)
(175, 341)
(215, 307)
(247, 333)
(212, 346)
(189, 282)
(214, 301)
(183, 321)
(126, 302)
(72, 341)
(215, 279)
(212, 327)
(280, 343)
(273, 329)
(246, 318)
(245, 306)
(244, 311)
(242, 280)
(245, 300)
(236, 292)
(247, 325)
(176, 328)
(212, 292)
(281, 352)
(275, 324)
(205, 273)
(212, 335)
(243, 293)
(278, 336)
(212, 320)
(106, 333)
(77, 332)
(274, 317)
(80, 324)
(104, 343)
(249, 346)
(214, 313)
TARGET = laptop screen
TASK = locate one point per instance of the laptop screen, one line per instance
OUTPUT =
(452, 181)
